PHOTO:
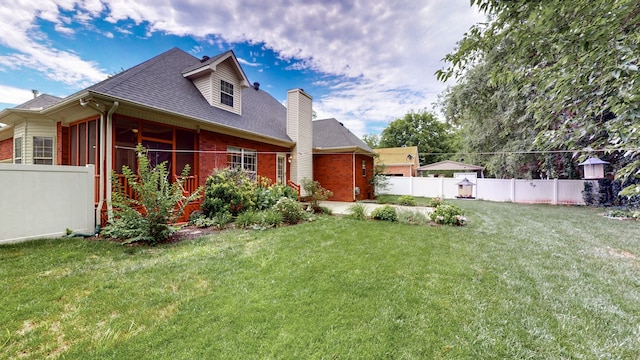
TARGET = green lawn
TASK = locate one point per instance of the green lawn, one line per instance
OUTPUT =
(519, 281)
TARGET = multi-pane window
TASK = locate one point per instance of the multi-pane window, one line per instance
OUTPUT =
(226, 93)
(17, 150)
(364, 168)
(281, 169)
(243, 158)
(42, 150)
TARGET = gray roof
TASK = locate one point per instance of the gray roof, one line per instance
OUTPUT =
(331, 134)
(40, 102)
(159, 83)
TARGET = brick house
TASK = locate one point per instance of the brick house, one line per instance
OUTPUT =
(185, 110)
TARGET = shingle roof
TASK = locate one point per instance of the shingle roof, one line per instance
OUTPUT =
(40, 102)
(159, 83)
(331, 134)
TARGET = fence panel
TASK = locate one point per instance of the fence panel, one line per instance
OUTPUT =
(523, 191)
(39, 201)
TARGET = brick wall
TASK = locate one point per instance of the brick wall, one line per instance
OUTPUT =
(6, 149)
(210, 141)
(335, 172)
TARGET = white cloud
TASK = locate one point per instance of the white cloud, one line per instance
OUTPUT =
(387, 52)
(14, 96)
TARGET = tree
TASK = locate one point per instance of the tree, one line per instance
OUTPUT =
(579, 58)
(435, 139)
(372, 140)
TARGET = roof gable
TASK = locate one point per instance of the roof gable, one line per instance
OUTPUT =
(40, 102)
(208, 65)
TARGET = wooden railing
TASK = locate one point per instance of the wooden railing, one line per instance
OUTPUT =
(295, 186)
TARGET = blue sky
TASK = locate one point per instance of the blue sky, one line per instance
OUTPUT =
(364, 62)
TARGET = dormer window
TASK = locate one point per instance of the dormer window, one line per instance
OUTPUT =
(226, 93)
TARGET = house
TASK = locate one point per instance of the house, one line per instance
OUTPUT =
(185, 110)
(398, 161)
(449, 166)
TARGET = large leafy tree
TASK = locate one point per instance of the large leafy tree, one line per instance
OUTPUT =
(436, 140)
(575, 62)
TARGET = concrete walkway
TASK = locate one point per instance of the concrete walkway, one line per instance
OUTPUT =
(341, 208)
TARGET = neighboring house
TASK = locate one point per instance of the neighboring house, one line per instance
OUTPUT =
(449, 166)
(185, 110)
(398, 161)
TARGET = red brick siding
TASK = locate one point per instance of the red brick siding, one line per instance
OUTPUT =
(335, 172)
(6, 149)
(364, 182)
(210, 141)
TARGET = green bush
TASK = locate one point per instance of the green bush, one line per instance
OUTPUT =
(268, 193)
(229, 190)
(291, 210)
(315, 193)
(448, 214)
(407, 200)
(271, 218)
(386, 213)
(248, 219)
(156, 204)
(435, 202)
(357, 211)
(412, 217)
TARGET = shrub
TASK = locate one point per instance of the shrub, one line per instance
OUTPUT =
(291, 210)
(386, 213)
(435, 202)
(248, 219)
(229, 190)
(271, 218)
(412, 217)
(448, 214)
(407, 200)
(315, 193)
(357, 211)
(156, 204)
(268, 193)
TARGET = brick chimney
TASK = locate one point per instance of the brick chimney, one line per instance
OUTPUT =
(299, 129)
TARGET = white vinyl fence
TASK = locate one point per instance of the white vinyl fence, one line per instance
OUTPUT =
(552, 191)
(39, 201)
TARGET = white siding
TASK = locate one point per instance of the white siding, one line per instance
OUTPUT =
(204, 85)
(19, 131)
(226, 71)
(299, 129)
(45, 128)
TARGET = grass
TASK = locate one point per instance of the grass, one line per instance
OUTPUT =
(519, 281)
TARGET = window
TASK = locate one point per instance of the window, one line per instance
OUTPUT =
(281, 169)
(17, 150)
(364, 168)
(226, 93)
(42, 150)
(243, 158)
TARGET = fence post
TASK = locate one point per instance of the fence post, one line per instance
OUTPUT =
(555, 192)
(513, 190)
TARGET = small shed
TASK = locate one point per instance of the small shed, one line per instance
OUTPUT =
(449, 165)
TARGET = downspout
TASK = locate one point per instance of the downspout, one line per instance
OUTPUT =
(101, 166)
(109, 155)
(102, 170)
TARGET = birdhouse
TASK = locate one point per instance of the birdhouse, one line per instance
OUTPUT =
(465, 189)
(593, 168)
